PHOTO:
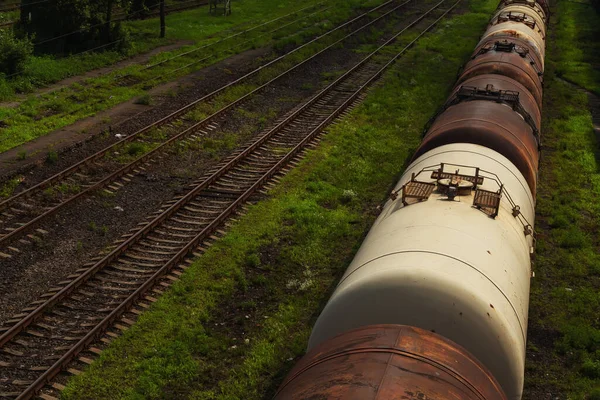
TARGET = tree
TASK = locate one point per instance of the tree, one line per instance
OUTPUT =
(13, 52)
(138, 8)
(162, 19)
(67, 26)
(101, 12)
(57, 25)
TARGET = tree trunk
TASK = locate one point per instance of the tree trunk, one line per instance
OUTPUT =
(109, 6)
(25, 10)
(162, 19)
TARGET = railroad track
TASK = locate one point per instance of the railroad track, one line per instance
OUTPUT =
(129, 79)
(23, 213)
(109, 292)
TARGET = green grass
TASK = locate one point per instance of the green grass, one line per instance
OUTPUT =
(195, 25)
(564, 329)
(8, 188)
(37, 116)
(8, 16)
(155, 137)
(229, 327)
(578, 44)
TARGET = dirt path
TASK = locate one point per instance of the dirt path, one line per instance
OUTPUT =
(139, 59)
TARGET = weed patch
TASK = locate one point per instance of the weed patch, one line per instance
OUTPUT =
(562, 352)
(8, 188)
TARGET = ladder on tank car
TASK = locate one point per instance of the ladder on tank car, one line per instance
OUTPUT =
(214, 6)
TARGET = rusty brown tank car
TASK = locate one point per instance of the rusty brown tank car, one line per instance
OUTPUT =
(499, 82)
(491, 124)
(390, 362)
(508, 57)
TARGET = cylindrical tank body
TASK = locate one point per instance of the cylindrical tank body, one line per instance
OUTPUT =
(490, 124)
(507, 63)
(521, 46)
(499, 82)
(390, 362)
(446, 267)
(536, 6)
(518, 30)
(532, 14)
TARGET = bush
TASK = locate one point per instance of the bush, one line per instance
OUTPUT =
(13, 52)
(591, 369)
(594, 395)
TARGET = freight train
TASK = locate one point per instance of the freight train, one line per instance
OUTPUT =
(435, 303)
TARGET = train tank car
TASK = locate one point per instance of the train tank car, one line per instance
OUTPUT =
(435, 303)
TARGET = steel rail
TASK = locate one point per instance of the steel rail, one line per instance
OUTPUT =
(75, 167)
(172, 209)
(227, 38)
(4, 338)
(118, 77)
(229, 49)
(201, 47)
(142, 159)
(99, 329)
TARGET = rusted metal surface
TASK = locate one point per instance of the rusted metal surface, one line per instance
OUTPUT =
(509, 64)
(416, 191)
(545, 6)
(524, 15)
(488, 124)
(389, 362)
(488, 201)
(499, 82)
(519, 46)
(521, 31)
(528, 3)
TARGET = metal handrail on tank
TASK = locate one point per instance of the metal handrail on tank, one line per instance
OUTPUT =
(472, 93)
(508, 97)
(509, 47)
(477, 180)
(528, 3)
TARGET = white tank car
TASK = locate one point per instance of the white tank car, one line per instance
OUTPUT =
(444, 265)
(534, 37)
(536, 13)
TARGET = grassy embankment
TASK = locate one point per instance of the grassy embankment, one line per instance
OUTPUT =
(564, 326)
(39, 115)
(229, 328)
